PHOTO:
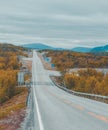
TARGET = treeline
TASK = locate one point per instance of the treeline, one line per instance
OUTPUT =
(9, 56)
(66, 59)
(9, 66)
(8, 82)
(11, 48)
(87, 81)
(9, 62)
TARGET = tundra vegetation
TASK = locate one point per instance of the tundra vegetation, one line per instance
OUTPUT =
(12, 98)
(89, 80)
(9, 66)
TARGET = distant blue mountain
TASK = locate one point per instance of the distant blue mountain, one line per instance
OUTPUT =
(81, 49)
(40, 46)
(91, 50)
(100, 49)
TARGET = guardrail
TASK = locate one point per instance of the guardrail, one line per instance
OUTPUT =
(88, 95)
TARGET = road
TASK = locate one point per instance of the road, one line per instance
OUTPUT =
(55, 109)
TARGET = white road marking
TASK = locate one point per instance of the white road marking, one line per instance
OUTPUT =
(38, 112)
(36, 103)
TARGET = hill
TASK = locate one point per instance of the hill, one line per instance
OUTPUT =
(100, 49)
(10, 47)
(38, 46)
(81, 49)
(42, 46)
(95, 49)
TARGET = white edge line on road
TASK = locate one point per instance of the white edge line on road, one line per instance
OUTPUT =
(36, 103)
(38, 112)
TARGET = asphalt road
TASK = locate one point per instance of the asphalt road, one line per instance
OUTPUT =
(55, 109)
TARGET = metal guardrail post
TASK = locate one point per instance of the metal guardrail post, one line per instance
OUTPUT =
(103, 98)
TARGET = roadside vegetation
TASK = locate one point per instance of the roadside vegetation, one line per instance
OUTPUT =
(64, 60)
(12, 112)
(12, 98)
(9, 67)
(88, 80)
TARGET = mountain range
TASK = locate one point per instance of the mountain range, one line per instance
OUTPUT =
(100, 49)
(81, 49)
(41, 46)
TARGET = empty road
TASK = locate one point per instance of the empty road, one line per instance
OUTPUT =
(55, 109)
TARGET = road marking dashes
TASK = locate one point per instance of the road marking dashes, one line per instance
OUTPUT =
(103, 118)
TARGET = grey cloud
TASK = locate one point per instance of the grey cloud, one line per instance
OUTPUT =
(57, 22)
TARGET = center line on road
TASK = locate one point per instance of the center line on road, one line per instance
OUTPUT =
(100, 117)
(66, 101)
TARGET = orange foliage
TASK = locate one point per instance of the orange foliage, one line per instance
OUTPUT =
(66, 59)
(88, 81)
(9, 66)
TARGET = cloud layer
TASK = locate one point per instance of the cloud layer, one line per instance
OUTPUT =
(58, 23)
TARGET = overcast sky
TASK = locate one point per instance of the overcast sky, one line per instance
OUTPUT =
(61, 23)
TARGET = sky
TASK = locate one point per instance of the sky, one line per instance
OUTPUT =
(59, 23)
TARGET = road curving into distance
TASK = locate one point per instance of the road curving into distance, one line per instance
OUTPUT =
(55, 109)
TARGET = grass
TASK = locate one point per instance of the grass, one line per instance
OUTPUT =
(14, 104)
